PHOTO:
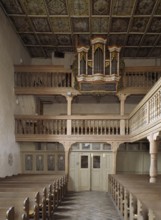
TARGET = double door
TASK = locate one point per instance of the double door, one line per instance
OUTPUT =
(90, 174)
(89, 171)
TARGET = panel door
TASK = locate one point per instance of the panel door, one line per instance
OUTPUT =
(84, 172)
(96, 172)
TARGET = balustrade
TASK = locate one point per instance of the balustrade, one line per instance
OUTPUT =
(41, 126)
(147, 112)
(58, 126)
(143, 77)
(43, 79)
(95, 127)
(49, 76)
(146, 115)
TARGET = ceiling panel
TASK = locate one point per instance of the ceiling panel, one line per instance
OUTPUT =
(149, 40)
(139, 24)
(80, 24)
(134, 39)
(99, 25)
(56, 7)
(144, 7)
(41, 24)
(79, 8)
(47, 39)
(34, 7)
(46, 26)
(100, 7)
(60, 24)
(119, 24)
(123, 7)
(155, 26)
(117, 39)
(29, 39)
(12, 7)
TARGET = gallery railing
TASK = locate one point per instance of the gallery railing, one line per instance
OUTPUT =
(147, 114)
(146, 117)
(42, 76)
(74, 125)
(139, 77)
(55, 77)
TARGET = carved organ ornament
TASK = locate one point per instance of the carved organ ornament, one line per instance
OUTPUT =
(98, 65)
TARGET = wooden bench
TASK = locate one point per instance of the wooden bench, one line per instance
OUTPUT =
(41, 203)
(21, 206)
(8, 213)
(56, 192)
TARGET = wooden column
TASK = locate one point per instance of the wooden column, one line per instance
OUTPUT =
(67, 146)
(115, 146)
(69, 98)
(122, 98)
(153, 150)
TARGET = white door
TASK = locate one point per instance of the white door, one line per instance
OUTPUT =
(89, 171)
(96, 172)
(84, 172)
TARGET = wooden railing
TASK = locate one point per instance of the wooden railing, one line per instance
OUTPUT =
(55, 77)
(71, 125)
(145, 119)
(42, 76)
(139, 77)
(147, 115)
(32, 125)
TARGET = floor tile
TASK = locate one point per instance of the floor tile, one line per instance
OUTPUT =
(87, 206)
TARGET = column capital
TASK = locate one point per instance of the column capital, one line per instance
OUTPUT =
(69, 98)
(67, 145)
(122, 96)
(115, 145)
(153, 137)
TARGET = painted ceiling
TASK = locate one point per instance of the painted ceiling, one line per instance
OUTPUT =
(46, 26)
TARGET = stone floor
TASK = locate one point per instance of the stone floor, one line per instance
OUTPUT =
(87, 206)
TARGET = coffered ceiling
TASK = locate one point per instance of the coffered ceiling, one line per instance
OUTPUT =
(46, 26)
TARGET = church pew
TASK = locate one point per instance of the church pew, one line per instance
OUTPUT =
(31, 208)
(37, 177)
(62, 183)
(20, 205)
(18, 181)
(8, 213)
(59, 186)
(34, 198)
(43, 201)
(140, 199)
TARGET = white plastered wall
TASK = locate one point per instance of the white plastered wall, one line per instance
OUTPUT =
(11, 52)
